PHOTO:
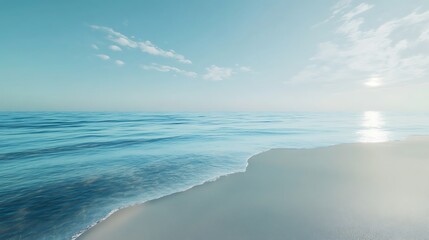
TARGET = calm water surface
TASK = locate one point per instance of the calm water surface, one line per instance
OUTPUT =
(60, 173)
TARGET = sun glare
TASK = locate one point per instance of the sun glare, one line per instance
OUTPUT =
(374, 81)
(372, 128)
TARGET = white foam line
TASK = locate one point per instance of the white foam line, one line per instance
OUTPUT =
(77, 235)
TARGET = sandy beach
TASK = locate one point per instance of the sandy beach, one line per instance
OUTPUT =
(348, 191)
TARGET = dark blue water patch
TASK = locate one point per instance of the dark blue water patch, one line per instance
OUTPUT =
(83, 146)
(33, 213)
(35, 122)
(38, 212)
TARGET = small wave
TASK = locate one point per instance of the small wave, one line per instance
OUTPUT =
(82, 146)
(75, 236)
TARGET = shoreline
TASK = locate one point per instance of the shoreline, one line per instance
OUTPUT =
(124, 215)
(113, 212)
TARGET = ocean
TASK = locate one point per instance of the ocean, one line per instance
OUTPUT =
(62, 172)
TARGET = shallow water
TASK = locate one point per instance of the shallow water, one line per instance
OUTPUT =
(62, 172)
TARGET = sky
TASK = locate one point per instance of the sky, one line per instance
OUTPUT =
(214, 55)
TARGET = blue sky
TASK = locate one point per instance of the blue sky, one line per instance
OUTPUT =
(273, 55)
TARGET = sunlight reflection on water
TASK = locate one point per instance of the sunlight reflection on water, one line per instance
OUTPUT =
(373, 128)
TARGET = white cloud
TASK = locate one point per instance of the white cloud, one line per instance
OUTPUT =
(337, 9)
(165, 68)
(424, 36)
(124, 42)
(115, 48)
(119, 62)
(216, 73)
(103, 56)
(145, 46)
(245, 69)
(94, 46)
(361, 8)
(340, 6)
(390, 53)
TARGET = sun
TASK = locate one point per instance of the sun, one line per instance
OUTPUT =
(374, 81)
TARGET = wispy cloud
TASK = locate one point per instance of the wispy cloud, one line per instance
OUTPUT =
(165, 68)
(216, 73)
(361, 8)
(145, 46)
(94, 46)
(103, 56)
(119, 62)
(389, 53)
(115, 48)
(337, 9)
(424, 36)
(122, 41)
(243, 68)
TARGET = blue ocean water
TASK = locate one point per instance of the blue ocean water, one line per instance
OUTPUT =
(62, 172)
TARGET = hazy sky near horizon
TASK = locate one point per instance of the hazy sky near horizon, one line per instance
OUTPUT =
(222, 55)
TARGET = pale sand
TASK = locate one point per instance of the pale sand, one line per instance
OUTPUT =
(349, 191)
